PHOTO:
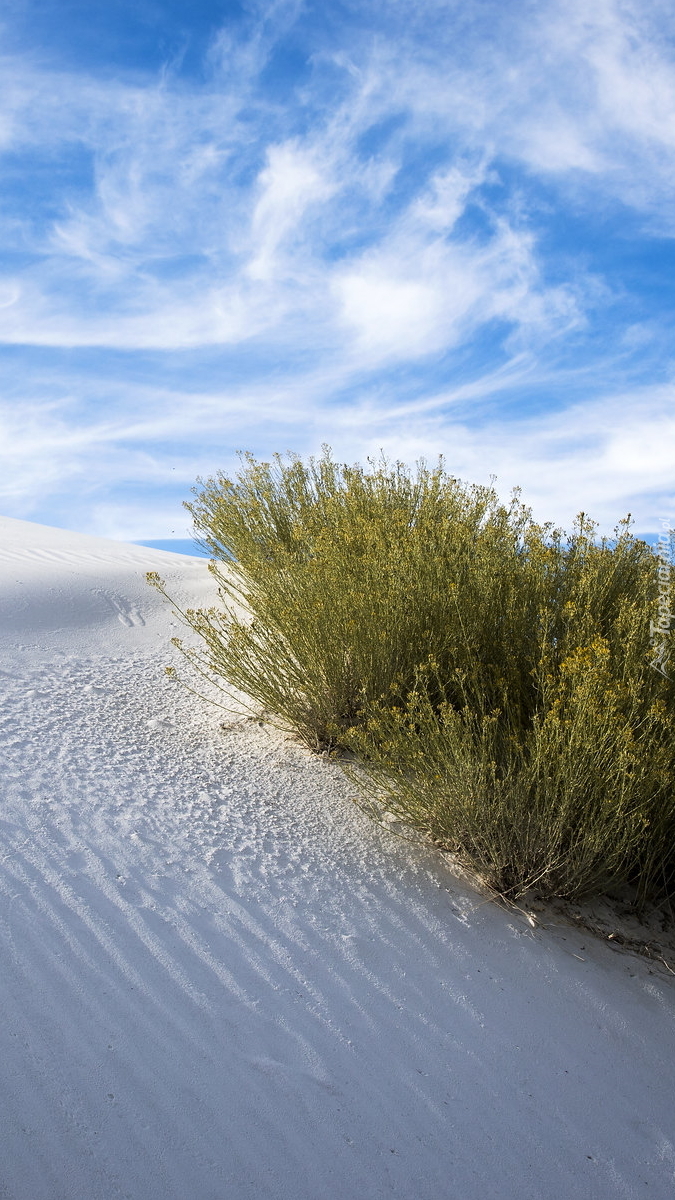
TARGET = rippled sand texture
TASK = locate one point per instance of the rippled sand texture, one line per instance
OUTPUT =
(219, 980)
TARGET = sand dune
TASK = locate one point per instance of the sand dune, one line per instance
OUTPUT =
(220, 980)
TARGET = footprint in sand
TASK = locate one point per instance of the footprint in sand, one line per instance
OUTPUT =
(128, 614)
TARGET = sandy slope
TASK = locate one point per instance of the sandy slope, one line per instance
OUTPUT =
(220, 980)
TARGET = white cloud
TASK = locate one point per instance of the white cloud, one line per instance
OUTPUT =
(167, 197)
(340, 237)
(442, 204)
(291, 183)
(607, 457)
(416, 296)
(596, 94)
(390, 315)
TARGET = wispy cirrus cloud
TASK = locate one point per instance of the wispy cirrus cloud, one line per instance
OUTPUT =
(610, 455)
(341, 222)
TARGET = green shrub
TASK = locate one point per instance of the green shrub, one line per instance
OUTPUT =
(582, 799)
(493, 676)
(349, 578)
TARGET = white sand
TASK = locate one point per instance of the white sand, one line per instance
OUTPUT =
(220, 980)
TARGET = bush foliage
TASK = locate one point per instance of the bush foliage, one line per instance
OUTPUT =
(493, 677)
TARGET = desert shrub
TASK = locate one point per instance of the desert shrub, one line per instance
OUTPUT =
(580, 799)
(562, 773)
(492, 676)
(337, 582)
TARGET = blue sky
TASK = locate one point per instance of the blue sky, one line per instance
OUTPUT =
(416, 228)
